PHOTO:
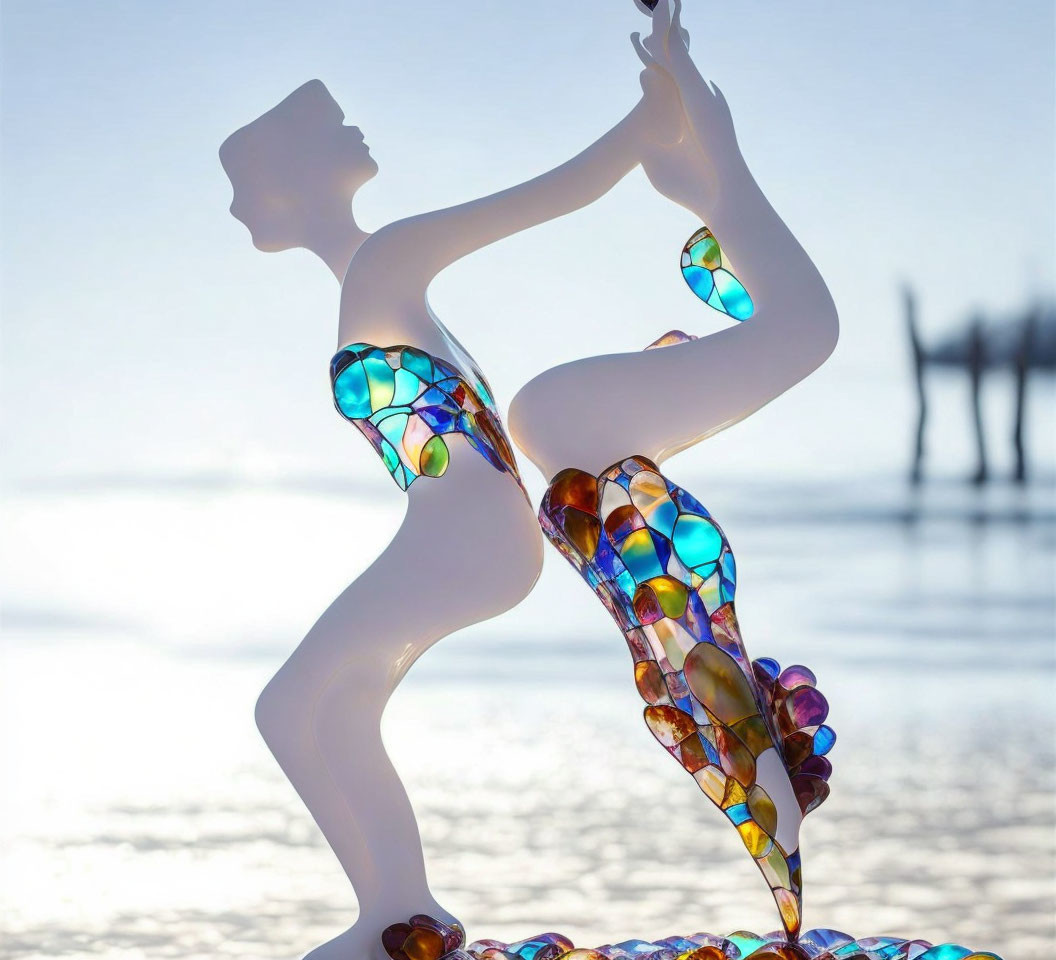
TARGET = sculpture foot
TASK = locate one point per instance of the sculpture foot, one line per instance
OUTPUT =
(356, 943)
(424, 937)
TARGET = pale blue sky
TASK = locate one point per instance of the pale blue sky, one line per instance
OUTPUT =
(142, 332)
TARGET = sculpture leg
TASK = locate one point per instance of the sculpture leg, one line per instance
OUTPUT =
(665, 572)
(468, 550)
(751, 735)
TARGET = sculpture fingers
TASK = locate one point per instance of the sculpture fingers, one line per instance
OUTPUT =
(639, 48)
(676, 25)
(656, 42)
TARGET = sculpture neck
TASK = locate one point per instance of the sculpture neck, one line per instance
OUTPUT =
(335, 240)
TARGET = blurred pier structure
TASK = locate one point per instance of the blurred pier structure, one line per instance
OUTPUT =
(1023, 344)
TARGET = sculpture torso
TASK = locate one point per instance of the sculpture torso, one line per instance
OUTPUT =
(383, 303)
(383, 299)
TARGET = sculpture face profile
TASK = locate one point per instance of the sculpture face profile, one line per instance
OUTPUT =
(294, 168)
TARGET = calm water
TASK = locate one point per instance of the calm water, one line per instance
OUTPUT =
(144, 818)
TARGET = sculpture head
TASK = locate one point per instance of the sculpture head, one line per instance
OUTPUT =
(294, 168)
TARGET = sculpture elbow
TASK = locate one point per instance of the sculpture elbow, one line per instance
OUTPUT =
(822, 333)
(830, 323)
(806, 342)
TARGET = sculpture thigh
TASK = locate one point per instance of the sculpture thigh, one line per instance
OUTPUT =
(592, 411)
(469, 549)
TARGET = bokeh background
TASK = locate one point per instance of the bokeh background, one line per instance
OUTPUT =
(180, 500)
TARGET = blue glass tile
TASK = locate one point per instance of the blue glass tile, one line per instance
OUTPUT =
(738, 813)
(419, 364)
(351, 393)
(408, 386)
(734, 297)
(824, 738)
(700, 281)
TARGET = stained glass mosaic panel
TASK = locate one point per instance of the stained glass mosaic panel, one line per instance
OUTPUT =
(752, 735)
(711, 280)
(405, 402)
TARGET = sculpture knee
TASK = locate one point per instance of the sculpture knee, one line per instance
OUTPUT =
(299, 707)
(346, 712)
(281, 707)
(556, 425)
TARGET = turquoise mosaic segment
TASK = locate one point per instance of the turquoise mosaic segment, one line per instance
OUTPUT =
(405, 402)
(703, 270)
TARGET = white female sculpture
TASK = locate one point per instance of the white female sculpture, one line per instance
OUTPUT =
(469, 547)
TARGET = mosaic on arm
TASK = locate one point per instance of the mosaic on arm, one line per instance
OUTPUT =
(406, 402)
(710, 279)
(423, 938)
(751, 735)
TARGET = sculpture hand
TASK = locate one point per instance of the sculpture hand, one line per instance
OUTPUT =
(704, 104)
(689, 168)
(665, 21)
(680, 172)
(676, 167)
(658, 117)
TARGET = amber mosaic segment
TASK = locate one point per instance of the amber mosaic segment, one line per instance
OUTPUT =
(664, 569)
(422, 938)
(405, 402)
(672, 339)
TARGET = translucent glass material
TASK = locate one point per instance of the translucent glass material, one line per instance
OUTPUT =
(423, 938)
(703, 270)
(664, 570)
(405, 402)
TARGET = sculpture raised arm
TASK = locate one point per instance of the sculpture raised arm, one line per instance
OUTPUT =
(449, 234)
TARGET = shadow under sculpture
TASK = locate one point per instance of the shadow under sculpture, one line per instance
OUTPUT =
(752, 735)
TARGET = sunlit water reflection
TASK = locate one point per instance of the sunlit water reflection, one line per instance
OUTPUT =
(143, 816)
